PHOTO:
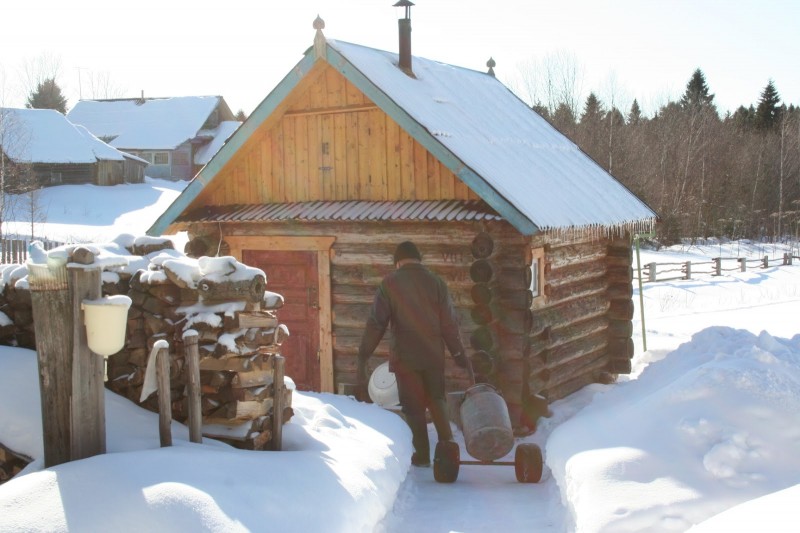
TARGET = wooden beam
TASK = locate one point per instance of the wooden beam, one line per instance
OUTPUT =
(331, 110)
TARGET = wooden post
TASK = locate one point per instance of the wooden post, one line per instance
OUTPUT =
(766, 261)
(718, 266)
(688, 270)
(88, 370)
(52, 312)
(787, 258)
(742, 264)
(193, 387)
(164, 398)
(279, 389)
(652, 272)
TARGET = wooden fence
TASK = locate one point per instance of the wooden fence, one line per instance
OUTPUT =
(15, 251)
(652, 272)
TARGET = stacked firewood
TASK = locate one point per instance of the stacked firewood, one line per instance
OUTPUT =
(221, 300)
(238, 334)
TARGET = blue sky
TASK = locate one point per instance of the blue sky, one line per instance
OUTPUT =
(644, 49)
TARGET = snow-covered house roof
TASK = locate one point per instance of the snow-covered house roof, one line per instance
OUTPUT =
(46, 136)
(218, 136)
(523, 167)
(150, 123)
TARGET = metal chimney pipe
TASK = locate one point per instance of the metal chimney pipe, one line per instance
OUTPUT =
(404, 27)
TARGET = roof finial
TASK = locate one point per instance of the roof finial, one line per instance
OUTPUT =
(319, 38)
(491, 64)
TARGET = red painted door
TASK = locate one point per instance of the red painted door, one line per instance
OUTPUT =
(294, 275)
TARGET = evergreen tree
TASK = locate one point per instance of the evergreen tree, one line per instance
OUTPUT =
(696, 94)
(564, 119)
(47, 96)
(541, 109)
(743, 117)
(635, 114)
(241, 116)
(593, 110)
(768, 110)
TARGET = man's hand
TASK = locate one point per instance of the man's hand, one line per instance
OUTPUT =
(460, 359)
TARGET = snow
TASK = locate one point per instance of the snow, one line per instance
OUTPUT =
(499, 137)
(700, 437)
(133, 125)
(46, 136)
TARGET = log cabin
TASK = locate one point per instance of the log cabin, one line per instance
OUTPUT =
(40, 147)
(358, 149)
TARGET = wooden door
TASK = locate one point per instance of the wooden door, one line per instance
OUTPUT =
(294, 275)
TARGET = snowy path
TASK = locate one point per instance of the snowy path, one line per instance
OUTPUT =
(482, 499)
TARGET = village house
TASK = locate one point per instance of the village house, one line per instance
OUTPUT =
(41, 148)
(177, 136)
(358, 149)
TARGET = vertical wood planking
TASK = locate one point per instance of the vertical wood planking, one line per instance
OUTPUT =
(328, 143)
(406, 155)
(340, 171)
(301, 160)
(352, 165)
(377, 156)
(290, 163)
(314, 150)
(364, 179)
(432, 169)
(393, 174)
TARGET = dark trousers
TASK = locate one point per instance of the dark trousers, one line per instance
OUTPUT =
(418, 390)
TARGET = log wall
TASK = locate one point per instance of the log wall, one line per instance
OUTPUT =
(576, 332)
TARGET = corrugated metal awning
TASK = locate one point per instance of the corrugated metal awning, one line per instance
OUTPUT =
(355, 210)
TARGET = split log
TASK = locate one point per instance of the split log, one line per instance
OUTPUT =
(233, 363)
(558, 356)
(255, 319)
(573, 291)
(251, 290)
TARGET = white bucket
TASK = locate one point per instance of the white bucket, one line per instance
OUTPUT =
(106, 320)
(382, 386)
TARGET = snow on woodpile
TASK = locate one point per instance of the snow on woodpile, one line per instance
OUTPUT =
(224, 302)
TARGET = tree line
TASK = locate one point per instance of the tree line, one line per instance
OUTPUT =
(705, 175)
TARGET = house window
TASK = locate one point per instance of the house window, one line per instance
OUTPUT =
(161, 158)
(147, 156)
(55, 178)
(537, 274)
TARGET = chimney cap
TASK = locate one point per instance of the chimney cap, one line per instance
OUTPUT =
(407, 5)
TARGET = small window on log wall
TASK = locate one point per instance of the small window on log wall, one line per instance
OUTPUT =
(537, 272)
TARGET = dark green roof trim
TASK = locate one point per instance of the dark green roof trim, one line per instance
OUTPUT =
(421, 135)
(221, 158)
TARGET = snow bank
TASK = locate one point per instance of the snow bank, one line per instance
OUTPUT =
(733, 399)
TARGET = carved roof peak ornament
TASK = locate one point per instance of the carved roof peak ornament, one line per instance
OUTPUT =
(319, 38)
(491, 64)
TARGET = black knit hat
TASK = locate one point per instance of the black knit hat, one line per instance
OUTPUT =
(406, 250)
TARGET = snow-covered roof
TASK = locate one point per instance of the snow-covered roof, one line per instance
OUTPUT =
(502, 140)
(517, 162)
(218, 137)
(46, 136)
(149, 124)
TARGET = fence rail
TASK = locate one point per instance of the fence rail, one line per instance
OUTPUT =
(654, 272)
(15, 251)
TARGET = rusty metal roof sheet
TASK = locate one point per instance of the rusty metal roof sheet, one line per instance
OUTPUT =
(353, 210)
